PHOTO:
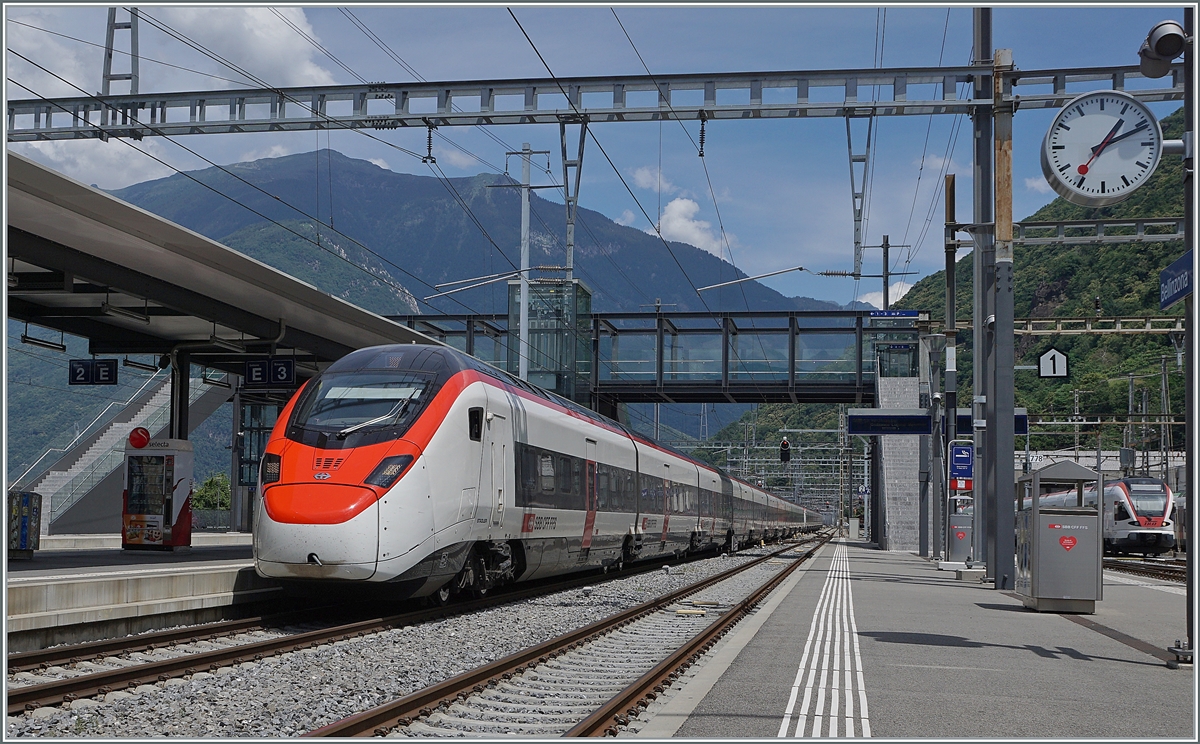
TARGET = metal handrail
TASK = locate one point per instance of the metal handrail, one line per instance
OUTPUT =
(87, 431)
(83, 482)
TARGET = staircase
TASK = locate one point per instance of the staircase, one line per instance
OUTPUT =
(83, 472)
(54, 480)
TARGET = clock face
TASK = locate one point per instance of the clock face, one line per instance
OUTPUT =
(1101, 147)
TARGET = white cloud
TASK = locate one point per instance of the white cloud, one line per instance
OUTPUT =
(274, 151)
(627, 218)
(380, 162)
(456, 158)
(652, 178)
(1038, 184)
(109, 165)
(256, 39)
(895, 292)
(679, 223)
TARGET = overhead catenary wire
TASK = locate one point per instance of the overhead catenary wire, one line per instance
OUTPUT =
(621, 178)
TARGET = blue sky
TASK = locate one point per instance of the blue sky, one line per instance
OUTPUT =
(782, 187)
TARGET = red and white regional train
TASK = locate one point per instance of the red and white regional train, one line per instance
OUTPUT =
(424, 468)
(1138, 513)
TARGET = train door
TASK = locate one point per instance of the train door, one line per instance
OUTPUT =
(666, 504)
(590, 496)
(499, 474)
(496, 440)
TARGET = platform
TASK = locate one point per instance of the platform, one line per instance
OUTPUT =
(933, 657)
(82, 591)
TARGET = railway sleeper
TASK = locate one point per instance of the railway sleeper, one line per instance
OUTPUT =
(464, 725)
(531, 714)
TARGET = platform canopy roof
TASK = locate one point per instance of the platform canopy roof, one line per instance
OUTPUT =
(86, 263)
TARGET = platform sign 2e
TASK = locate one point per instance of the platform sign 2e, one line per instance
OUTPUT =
(92, 372)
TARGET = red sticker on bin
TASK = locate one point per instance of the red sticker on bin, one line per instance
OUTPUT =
(1067, 542)
(960, 535)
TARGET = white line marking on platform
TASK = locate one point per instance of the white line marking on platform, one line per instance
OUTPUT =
(834, 630)
(1110, 576)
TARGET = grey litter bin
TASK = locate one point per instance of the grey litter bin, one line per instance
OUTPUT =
(24, 523)
(1058, 549)
(960, 538)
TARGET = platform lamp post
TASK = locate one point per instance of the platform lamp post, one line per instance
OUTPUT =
(1165, 42)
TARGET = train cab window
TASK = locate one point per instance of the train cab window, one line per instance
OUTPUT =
(475, 424)
(1122, 514)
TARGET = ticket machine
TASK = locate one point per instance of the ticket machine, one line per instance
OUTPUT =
(156, 504)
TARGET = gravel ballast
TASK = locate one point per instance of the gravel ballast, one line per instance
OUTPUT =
(296, 692)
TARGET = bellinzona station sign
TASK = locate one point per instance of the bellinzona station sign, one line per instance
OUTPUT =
(1175, 281)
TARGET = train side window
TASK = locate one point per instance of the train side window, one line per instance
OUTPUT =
(547, 473)
(1122, 513)
(564, 475)
(475, 424)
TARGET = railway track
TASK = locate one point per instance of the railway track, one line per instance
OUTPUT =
(583, 683)
(1164, 570)
(96, 668)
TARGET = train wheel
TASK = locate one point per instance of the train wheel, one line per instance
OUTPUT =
(442, 595)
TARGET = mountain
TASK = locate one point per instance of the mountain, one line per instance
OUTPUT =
(413, 232)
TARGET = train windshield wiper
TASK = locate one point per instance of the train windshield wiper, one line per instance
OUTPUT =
(394, 414)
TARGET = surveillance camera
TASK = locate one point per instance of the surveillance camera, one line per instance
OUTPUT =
(1164, 43)
(937, 397)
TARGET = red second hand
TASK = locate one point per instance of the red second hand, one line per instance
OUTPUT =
(1083, 169)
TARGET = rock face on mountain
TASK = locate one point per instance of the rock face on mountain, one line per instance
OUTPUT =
(412, 232)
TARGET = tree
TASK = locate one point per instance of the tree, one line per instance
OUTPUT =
(213, 493)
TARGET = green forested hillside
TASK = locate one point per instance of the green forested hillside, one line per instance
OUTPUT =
(1064, 281)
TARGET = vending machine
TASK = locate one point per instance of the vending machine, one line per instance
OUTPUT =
(157, 510)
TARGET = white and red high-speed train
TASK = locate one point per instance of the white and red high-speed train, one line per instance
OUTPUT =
(427, 469)
(1138, 513)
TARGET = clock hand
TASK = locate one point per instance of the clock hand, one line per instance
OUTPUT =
(1130, 133)
(1083, 169)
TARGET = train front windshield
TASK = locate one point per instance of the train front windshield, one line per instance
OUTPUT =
(361, 407)
(1148, 499)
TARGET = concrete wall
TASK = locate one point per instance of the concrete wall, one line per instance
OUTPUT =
(901, 465)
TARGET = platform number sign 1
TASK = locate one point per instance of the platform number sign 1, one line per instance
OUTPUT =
(1053, 363)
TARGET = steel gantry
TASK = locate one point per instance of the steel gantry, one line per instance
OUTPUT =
(915, 91)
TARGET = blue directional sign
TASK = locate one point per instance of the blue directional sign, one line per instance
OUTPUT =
(875, 421)
(966, 423)
(962, 461)
(1175, 281)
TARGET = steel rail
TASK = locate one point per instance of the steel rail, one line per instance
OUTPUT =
(604, 720)
(402, 711)
(40, 658)
(1163, 572)
(65, 690)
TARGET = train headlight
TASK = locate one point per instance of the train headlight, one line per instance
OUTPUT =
(390, 469)
(270, 468)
